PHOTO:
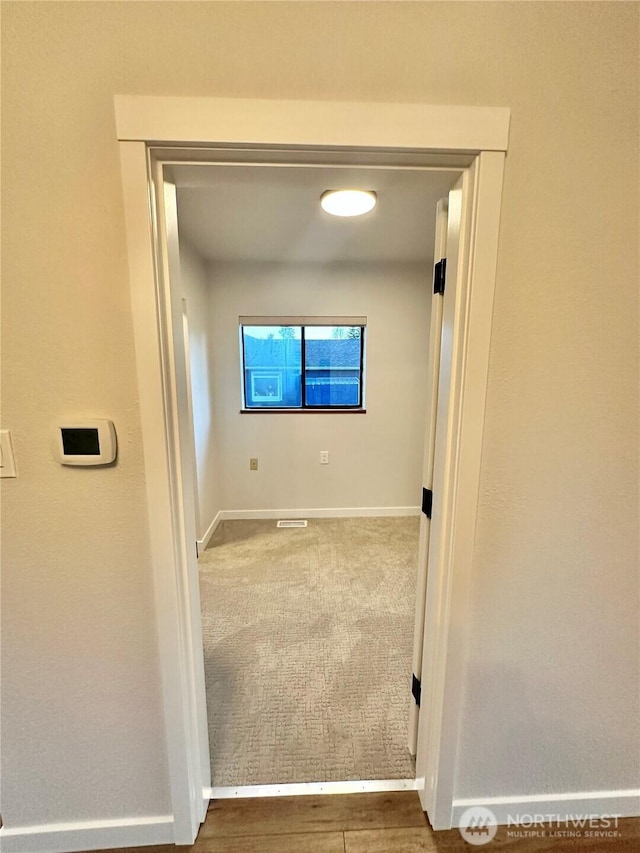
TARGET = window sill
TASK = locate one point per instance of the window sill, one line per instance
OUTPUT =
(308, 411)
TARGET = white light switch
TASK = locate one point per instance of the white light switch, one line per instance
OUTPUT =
(7, 461)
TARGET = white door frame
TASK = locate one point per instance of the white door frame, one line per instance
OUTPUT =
(153, 130)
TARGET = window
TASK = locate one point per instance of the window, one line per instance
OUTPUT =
(290, 364)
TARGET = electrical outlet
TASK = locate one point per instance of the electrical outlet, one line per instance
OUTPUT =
(253, 464)
(324, 457)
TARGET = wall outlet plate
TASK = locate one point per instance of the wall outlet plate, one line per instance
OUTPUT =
(253, 464)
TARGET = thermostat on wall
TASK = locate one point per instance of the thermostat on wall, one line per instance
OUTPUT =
(85, 442)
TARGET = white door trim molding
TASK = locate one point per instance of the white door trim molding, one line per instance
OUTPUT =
(241, 121)
(477, 137)
(172, 583)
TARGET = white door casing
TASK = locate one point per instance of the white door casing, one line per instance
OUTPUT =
(466, 326)
(152, 131)
(171, 274)
(184, 521)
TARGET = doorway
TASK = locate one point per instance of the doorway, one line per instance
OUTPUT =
(317, 677)
(157, 132)
(254, 240)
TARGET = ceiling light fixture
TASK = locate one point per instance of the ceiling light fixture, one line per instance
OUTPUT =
(348, 202)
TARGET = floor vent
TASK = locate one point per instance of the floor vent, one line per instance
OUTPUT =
(293, 522)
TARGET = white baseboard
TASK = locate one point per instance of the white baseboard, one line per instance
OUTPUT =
(211, 529)
(329, 512)
(87, 835)
(552, 807)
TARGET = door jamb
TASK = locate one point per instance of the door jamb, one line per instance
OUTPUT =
(438, 134)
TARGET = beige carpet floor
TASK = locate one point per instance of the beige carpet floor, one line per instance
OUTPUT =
(308, 640)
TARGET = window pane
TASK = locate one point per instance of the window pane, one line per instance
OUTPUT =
(272, 366)
(333, 359)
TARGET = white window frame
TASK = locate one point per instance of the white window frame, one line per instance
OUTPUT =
(155, 131)
(277, 398)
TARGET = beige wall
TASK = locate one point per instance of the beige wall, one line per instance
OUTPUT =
(552, 686)
(375, 459)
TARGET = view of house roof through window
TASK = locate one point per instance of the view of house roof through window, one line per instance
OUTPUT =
(303, 366)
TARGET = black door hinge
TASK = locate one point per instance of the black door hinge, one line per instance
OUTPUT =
(416, 689)
(439, 276)
(427, 502)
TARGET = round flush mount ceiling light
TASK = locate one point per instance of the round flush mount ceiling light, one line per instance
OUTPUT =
(348, 202)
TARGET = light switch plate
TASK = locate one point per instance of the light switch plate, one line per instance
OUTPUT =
(7, 459)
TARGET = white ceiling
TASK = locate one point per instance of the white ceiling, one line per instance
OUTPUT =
(272, 213)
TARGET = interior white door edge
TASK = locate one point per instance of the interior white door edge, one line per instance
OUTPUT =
(433, 373)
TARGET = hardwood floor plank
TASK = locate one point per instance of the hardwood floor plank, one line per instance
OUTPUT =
(513, 840)
(406, 840)
(154, 848)
(325, 813)
(314, 842)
